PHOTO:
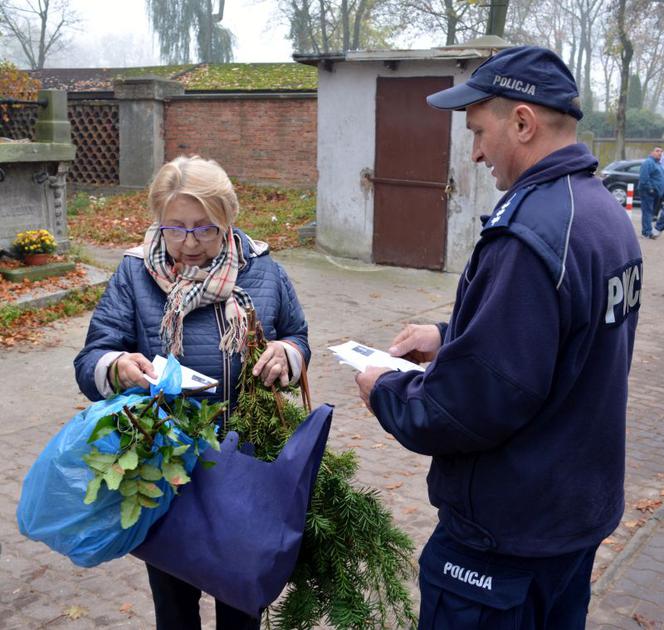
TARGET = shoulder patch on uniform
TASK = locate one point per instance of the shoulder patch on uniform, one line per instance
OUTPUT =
(623, 292)
(502, 214)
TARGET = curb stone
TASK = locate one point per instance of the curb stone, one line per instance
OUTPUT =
(94, 277)
(631, 549)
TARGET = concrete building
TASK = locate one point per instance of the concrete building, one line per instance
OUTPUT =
(396, 184)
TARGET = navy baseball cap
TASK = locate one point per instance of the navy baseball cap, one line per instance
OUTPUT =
(523, 73)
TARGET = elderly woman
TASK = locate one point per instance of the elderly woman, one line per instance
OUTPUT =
(187, 291)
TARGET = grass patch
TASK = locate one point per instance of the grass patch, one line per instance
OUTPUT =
(80, 202)
(8, 315)
(79, 254)
(266, 213)
(166, 72)
(24, 325)
(252, 76)
(235, 76)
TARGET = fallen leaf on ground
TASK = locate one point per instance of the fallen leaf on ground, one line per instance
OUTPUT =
(379, 445)
(127, 608)
(410, 509)
(648, 505)
(395, 485)
(75, 612)
(644, 622)
(634, 524)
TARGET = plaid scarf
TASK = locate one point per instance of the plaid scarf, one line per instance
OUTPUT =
(188, 288)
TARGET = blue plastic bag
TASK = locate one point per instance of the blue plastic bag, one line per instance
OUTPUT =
(235, 530)
(51, 508)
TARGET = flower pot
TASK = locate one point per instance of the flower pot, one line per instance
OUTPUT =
(36, 259)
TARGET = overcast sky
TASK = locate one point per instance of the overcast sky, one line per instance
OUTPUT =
(259, 36)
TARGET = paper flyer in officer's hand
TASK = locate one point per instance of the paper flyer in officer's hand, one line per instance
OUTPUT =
(190, 378)
(359, 356)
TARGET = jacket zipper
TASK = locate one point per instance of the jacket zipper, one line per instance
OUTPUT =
(225, 363)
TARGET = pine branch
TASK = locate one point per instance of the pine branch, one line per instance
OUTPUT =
(354, 562)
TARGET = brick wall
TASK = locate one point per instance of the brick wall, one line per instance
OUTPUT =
(266, 139)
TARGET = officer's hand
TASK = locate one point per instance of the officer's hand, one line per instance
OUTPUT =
(131, 368)
(366, 381)
(417, 342)
(272, 365)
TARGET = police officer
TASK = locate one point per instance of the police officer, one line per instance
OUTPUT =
(523, 405)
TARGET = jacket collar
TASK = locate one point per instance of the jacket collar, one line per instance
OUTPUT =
(574, 158)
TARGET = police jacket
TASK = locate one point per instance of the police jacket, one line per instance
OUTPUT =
(129, 315)
(651, 177)
(523, 409)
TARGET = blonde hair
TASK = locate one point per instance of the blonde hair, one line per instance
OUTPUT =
(203, 180)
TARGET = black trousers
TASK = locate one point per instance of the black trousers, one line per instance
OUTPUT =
(176, 606)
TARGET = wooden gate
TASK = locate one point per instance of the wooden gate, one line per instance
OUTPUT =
(410, 173)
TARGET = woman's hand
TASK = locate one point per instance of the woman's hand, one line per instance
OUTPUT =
(130, 369)
(272, 365)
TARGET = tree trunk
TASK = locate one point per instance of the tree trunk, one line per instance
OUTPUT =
(323, 27)
(43, 18)
(345, 26)
(497, 17)
(452, 21)
(357, 26)
(626, 53)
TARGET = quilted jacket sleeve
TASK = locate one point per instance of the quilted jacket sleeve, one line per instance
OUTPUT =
(291, 324)
(112, 328)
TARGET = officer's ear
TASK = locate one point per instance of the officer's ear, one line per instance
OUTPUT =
(525, 122)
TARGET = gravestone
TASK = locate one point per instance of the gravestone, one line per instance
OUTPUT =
(33, 175)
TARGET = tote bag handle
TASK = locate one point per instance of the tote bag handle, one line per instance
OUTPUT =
(304, 379)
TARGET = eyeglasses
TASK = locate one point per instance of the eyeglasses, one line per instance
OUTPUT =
(203, 234)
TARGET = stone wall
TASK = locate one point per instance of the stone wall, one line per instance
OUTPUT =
(33, 174)
(260, 138)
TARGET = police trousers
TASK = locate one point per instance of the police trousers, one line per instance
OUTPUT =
(465, 589)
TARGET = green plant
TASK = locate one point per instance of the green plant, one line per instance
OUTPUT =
(78, 204)
(34, 242)
(151, 447)
(9, 314)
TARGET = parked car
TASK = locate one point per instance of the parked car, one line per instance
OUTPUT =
(618, 174)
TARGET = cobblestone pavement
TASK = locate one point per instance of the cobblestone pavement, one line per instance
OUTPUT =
(343, 299)
(630, 594)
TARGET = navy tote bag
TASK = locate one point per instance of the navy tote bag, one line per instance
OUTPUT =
(235, 530)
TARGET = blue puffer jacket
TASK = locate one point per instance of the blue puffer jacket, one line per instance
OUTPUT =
(651, 177)
(129, 315)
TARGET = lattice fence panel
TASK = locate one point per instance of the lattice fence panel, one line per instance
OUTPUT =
(20, 121)
(95, 132)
